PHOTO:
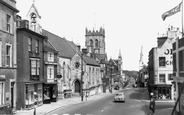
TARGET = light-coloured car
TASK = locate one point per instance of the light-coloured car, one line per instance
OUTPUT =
(119, 97)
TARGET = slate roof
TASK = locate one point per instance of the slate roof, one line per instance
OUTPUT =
(90, 61)
(49, 47)
(60, 44)
(67, 48)
(101, 56)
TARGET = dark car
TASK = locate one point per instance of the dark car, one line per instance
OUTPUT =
(116, 87)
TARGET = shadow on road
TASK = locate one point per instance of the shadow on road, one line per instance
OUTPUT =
(136, 94)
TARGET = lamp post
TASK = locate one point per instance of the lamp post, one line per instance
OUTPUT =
(82, 77)
(111, 68)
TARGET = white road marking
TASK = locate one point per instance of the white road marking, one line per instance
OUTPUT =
(102, 110)
(64, 114)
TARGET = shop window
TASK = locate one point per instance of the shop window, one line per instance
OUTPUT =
(162, 78)
(2, 93)
(162, 62)
(170, 76)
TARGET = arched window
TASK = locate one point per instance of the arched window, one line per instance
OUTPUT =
(96, 43)
(91, 42)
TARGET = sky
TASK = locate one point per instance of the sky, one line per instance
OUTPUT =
(129, 24)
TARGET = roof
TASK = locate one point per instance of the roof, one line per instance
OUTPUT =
(60, 44)
(101, 56)
(49, 47)
(90, 61)
(36, 10)
(161, 41)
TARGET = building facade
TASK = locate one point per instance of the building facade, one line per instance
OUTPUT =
(8, 63)
(50, 89)
(30, 75)
(160, 67)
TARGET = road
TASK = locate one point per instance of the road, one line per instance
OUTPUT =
(106, 106)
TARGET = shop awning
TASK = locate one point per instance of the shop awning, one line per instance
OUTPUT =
(161, 85)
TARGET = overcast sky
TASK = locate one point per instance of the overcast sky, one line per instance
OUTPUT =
(128, 23)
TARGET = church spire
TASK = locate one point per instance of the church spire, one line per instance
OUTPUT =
(141, 57)
(119, 56)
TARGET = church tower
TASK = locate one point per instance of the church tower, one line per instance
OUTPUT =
(95, 41)
(141, 63)
(34, 18)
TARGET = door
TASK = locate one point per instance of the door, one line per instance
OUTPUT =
(77, 86)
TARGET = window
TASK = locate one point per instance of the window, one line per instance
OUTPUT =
(96, 43)
(174, 62)
(35, 66)
(29, 44)
(1, 93)
(50, 56)
(50, 72)
(162, 78)
(0, 54)
(91, 42)
(170, 77)
(37, 46)
(162, 61)
(8, 55)
(8, 23)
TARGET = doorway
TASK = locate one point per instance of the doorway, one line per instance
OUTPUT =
(77, 86)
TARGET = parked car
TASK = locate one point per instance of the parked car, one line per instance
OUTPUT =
(116, 87)
(119, 97)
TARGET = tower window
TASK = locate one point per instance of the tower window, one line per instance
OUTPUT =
(91, 42)
(96, 43)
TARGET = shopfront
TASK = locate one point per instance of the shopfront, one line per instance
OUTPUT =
(162, 91)
(34, 95)
(50, 93)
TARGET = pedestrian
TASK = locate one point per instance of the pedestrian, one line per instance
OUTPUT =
(152, 103)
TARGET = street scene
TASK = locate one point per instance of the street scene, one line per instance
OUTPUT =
(91, 57)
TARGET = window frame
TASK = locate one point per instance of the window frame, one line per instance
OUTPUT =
(162, 61)
(10, 55)
(50, 56)
(170, 76)
(50, 72)
(160, 81)
(8, 23)
(36, 68)
(37, 46)
(29, 44)
(2, 91)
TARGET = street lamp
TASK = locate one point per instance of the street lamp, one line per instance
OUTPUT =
(82, 77)
(111, 68)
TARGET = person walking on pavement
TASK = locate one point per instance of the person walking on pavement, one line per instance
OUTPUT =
(152, 103)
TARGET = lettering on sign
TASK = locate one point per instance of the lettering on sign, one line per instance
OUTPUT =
(168, 52)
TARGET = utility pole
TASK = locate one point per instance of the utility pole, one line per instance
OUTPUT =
(82, 77)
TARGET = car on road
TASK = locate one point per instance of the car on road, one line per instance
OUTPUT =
(119, 97)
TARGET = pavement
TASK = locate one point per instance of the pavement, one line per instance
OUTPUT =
(165, 111)
(49, 108)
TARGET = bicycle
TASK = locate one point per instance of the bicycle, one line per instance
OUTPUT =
(8, 110)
